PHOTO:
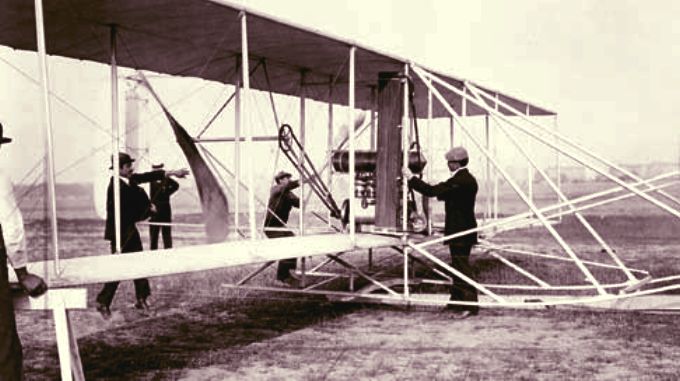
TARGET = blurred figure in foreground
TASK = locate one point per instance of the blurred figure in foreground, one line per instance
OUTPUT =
(12, 248)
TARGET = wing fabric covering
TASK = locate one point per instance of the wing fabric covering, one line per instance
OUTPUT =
(213, 201)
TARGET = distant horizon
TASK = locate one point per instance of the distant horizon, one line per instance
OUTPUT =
(191, 184)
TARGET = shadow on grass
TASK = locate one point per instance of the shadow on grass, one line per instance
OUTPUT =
(154, 346)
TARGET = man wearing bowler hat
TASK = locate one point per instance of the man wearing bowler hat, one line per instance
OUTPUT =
(12, 248)
(458, 193)
(160, 192)
(134, 206)
(281, 201)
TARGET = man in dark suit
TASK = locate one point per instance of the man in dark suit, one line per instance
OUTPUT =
(458, 193)
(134, 206)
(281, 201)
(12, 249)
(160, 192)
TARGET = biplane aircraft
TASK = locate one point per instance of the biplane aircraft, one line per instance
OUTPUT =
(384, 99)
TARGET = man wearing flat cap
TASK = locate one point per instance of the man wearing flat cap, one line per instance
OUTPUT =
(134, 206)
(281, 201)
(12, 248)
(160, 192)
(458, 193)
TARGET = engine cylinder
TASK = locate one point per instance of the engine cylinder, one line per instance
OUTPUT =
(365, 161)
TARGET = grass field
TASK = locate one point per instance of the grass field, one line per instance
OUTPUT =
(202, 331)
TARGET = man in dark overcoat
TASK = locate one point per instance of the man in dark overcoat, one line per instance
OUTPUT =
(459, 195)
(281, 201)
(134, 206)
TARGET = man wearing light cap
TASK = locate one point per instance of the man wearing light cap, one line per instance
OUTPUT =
(458, 193)
(12, 249)
(281, 201)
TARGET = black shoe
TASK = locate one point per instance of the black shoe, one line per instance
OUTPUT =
(289, 282)
(461, 314)
(104, 310)
(142, 304)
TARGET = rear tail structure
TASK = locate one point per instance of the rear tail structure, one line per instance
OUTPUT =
(214, 203)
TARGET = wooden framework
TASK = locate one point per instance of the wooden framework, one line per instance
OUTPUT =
(473, 100)
(60, 302)
(47, 120)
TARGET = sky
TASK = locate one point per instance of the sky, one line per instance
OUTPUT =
(609, 68)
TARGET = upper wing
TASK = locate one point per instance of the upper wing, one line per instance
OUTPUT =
(201, 38)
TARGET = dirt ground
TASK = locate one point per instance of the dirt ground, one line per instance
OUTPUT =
(312, 340)
(387, 345)
(201, 331)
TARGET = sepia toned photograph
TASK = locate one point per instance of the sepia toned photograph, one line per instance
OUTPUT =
(339, 190)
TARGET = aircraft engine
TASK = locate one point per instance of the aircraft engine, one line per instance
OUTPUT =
(365, 184)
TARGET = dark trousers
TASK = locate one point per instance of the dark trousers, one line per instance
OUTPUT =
(285, 266)
(11, 355)
(462, 290)
(142, 288)
(166, 232)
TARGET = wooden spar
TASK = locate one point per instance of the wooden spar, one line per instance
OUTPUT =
(249, 128)
(301, 162)
(301, 220)
(374, 107)
(352, 132)
(430, 144)
(77, 271)
(405, 129)
(495, 172)
(235, 139)
(452, 131)
(115, 125)
(329, 141)
(47, 120)
(237, 154)
(487, 170)
(558, 170)
(463, 112)
(530, 172)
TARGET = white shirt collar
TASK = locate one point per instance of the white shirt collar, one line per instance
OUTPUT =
(457, 170)
(125, 180)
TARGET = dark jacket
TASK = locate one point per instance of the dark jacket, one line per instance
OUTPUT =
(134, 205)
(160, 192)
(281, 201)
(458, 193)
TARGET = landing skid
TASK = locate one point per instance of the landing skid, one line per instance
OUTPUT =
(359, 283)
(60, 302)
